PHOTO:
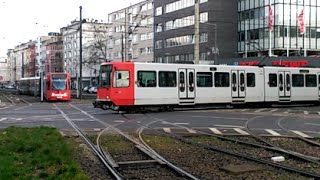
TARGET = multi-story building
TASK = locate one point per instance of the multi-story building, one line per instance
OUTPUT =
(3, 70)
(11, 66)
(174, 39)
(54, 54)
(25, 60)
(94, 50)
(253, 27)
(131, 33)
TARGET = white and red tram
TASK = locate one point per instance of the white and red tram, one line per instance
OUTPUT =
(130, 86)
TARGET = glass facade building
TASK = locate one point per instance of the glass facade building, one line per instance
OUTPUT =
(253, 27)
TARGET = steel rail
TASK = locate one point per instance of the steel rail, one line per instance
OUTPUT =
(177, 169)
(284, 167)
(299, 137)
(91, 145)
(289, 152)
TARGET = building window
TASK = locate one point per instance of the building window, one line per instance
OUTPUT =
(158, 44)
(159, 27)
(158, 11)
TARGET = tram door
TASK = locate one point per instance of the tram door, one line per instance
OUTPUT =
(238, 86)
(186, 85)
(319, 84)
(284, 85)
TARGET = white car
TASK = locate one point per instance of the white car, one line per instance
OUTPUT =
(93, 90)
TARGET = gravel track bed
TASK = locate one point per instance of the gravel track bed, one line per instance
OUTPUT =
(259, 153)
(123, 150)
(206, 164)
(296, 145)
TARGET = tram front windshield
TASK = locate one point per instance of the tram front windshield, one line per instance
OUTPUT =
(59, 81)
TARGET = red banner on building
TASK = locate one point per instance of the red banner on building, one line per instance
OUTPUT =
(270, 18)
(301, 21)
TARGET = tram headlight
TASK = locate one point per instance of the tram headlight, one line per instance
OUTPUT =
(65, 94)
(52, 94)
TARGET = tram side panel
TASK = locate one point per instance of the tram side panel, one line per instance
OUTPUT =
(290, 84)
(149, 90)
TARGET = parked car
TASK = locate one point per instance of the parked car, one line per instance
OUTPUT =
(86, 89)
(93, 89)
(9, 87)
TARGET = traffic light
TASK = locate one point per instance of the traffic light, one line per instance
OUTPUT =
(301, 51)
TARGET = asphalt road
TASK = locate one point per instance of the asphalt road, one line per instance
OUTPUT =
(276, 121)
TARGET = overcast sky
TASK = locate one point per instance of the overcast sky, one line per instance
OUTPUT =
(24, 20)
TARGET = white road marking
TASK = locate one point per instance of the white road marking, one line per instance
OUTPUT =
(167, 130)
(3, 119)
(191, 131)
(241, 131)
(4, 108)
(96, 129)
(305, 112)
(259, 110)
(313, 124)
(244, 110)
(181, 123)
(119, 121)
(228, 126)
(286, 112)
(319, 113)
(273, 132)
(215, 131)
(216, 117)
(301, 134)
(18, 119)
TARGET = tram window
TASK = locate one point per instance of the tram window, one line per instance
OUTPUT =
(251, 80)
(204, 79)
(105, 76)
(297, 80)
(121, 79)
(311, 80)
(273, 80)
(167, 79)
(147, 79)
(221, 79)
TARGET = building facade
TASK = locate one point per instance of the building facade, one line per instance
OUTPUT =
(286, 37)
(4, 78)
(94, 50)
(131, 33)
(54, 54)
(175, 30)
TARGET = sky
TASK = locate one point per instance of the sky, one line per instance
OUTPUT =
(23, 20)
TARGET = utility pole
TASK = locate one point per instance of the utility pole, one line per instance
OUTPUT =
(196, 32)
(80, 60)
(122, 48)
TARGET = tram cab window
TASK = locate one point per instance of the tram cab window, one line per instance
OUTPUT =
(121, 79)
(297, 80)
(273, 80)
(147, 79)
(204, 79)
(167, 79)
(221, 79)
(105, 76)
(311, 80)
(251, 80)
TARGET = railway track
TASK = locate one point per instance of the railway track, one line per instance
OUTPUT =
(289, 166)
(156, 164)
